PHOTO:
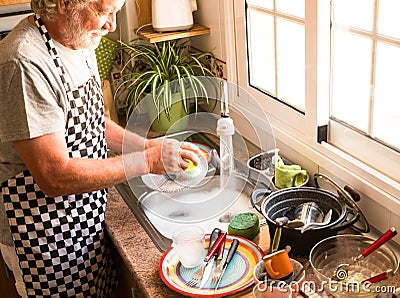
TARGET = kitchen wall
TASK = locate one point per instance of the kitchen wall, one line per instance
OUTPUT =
(207, 14)
(213, 14)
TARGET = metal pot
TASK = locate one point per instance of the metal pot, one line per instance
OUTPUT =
(345, 213)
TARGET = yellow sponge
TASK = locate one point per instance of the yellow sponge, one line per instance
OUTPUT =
(191, 165)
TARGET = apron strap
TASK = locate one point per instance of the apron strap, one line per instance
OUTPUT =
(52, 50)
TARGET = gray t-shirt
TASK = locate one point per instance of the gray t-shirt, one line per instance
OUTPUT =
(32, 97)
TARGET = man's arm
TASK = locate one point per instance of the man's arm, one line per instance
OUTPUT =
(115, 136)
(56, 173)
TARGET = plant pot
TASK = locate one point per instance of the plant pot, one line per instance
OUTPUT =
(177, 120)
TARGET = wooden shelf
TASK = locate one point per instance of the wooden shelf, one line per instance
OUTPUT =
(152, 36)
(12, 2)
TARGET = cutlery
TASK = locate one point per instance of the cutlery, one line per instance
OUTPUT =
(383, 276)
(199, 273)
(342, 269)
(231, 253)
(280, 222)
(218, 268)
(210, 265)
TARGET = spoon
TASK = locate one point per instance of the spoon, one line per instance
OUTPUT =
(341, 270)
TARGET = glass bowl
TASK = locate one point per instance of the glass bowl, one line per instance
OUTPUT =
(328, 254)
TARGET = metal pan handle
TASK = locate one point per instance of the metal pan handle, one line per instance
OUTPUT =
(346, 222)
(347, 198)
(254, 197)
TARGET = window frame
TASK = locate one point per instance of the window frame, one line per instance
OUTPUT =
(300, 132)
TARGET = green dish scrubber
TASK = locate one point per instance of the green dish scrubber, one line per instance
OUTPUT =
(245, 224)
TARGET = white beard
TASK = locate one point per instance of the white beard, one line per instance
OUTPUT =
(77, 37)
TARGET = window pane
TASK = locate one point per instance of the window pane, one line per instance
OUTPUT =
(293, 7)
(291, 61)
(388, 19)
(387, 95)
(355, 13)
(262, 3)
(261, 51)
(351, 79)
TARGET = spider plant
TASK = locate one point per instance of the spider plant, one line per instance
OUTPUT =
(163, 69)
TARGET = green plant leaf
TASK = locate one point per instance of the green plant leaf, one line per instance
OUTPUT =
(163, 69)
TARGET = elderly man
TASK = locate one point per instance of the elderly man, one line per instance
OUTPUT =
(54, 138)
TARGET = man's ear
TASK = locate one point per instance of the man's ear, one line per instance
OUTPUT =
(62, 6)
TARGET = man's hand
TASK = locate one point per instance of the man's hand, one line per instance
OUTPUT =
(169, 155)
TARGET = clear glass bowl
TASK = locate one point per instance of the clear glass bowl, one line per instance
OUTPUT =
(328, 254)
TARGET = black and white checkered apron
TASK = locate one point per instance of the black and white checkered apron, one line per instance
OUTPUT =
(60, 241)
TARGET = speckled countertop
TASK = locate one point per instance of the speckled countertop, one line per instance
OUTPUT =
(142, 257)
(136, 248)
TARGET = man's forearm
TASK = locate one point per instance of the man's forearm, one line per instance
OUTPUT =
(115, 135)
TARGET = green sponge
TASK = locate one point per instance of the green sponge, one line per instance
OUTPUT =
(245, 224)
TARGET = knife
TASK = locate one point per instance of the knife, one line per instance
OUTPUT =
(213, 237)
(231, 253)
(211, 257)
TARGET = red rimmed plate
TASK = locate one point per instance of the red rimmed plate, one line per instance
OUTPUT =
(237, 277)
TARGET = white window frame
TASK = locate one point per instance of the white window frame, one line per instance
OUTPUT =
(301, 131)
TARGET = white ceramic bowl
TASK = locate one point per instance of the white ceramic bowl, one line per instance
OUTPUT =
(276, 288)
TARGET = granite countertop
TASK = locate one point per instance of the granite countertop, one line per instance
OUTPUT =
(142, 257)
(135, 247)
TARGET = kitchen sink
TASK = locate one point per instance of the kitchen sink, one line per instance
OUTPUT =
(206, 205)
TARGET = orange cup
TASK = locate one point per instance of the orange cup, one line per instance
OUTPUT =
(278, 264)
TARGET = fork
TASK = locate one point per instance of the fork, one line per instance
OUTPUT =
(218, 268)
(196, 276)
(199, 273)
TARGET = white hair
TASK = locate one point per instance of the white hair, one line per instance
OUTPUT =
(48, 8)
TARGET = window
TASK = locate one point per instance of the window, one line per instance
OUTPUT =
(365, 97)
(274, 66)
(335, 63)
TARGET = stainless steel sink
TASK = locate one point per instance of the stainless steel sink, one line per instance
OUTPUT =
(208, 205)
